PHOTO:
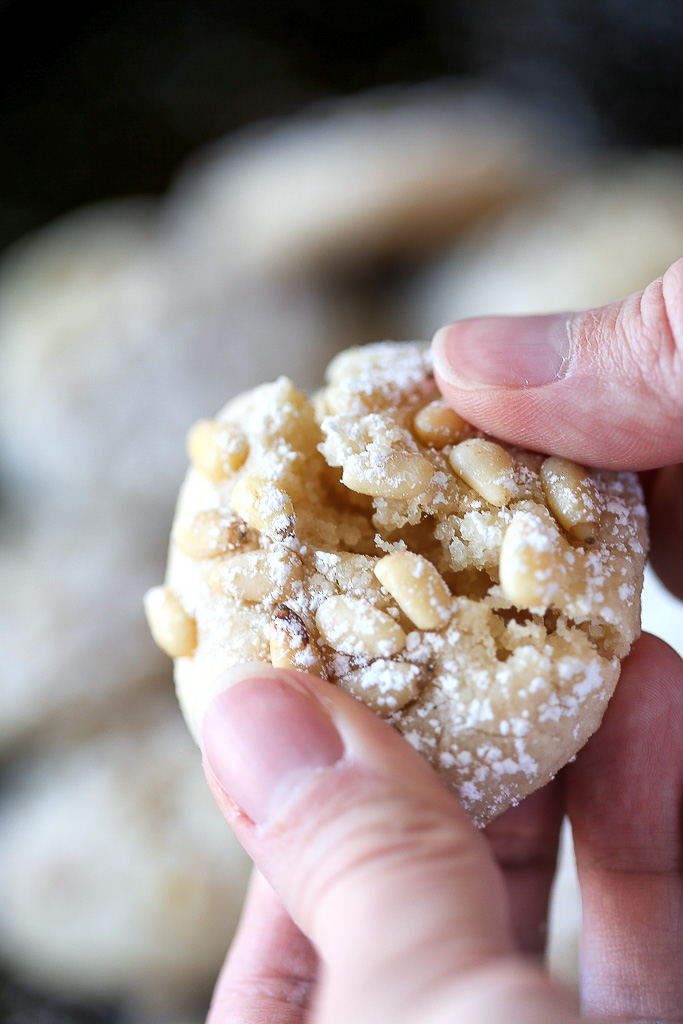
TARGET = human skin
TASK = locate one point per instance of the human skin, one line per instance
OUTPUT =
(382, 901)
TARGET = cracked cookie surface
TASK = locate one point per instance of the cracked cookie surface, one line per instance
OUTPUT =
(476, 595)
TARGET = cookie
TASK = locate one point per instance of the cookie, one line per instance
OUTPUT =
(352, 183)
(588, 223)
(476, 595)
(73, 648)
(100, 336)
(119, 877)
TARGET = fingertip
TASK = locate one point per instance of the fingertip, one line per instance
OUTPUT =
(262, 736)
(500, 351)
(601, 386)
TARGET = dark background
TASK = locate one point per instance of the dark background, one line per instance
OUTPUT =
(108, 99)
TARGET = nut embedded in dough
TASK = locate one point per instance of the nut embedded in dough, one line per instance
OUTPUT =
(399, 475)
(352, 626)
(486, 467)
(417, 587)
(173, 629)
(572, 497)
(263, 505)
(291, 646)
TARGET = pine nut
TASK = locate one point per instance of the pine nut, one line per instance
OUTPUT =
(535, 562)
(572, 497)
(353, 626)
(256, 576)
(417, 587)
(438, 425)
(486, 468)
(263, 505)
(354, 362)
(385, 686)
(290, 643)
(292, 419)
(173, 630)
(398, 475)
(216, 449)
(211, 533)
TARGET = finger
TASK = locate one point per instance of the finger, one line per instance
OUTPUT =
(525, 842)
(665, 503)
(603, 387)
(271, 968)
(372, 857)
(624, 800)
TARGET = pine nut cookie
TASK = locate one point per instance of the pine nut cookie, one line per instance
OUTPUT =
(476, 595)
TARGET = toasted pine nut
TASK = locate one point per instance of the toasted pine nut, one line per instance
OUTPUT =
(353, 626)
(173, 630)
(211, 533)
(255, 576)
(398, 475)
(290, 643)
(385, 686)
(572, 497)
(535, 562)
(438, 425)
(263, 505)
(353, 362)
(486, 467)
(417, 587)
(293, 420)
(216, 449)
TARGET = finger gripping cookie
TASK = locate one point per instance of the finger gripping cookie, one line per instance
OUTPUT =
(477, 596)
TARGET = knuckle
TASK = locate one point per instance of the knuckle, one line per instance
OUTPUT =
(359, 856)
(649, 339)
(260, 996)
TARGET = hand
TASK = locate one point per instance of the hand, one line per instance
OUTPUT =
(390, 905)
(603, 387)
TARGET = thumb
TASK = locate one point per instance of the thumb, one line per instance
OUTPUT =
(604, 387)
(373, 859)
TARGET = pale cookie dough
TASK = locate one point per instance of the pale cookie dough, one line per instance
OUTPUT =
(476, 595)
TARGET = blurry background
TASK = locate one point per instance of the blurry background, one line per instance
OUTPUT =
(107, 99)
(195, 196)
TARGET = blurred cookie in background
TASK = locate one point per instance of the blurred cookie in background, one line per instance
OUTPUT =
(120, 878)
(73, 646)
(113, 340)
(597, 237)
(361, 183)
(122, 324)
